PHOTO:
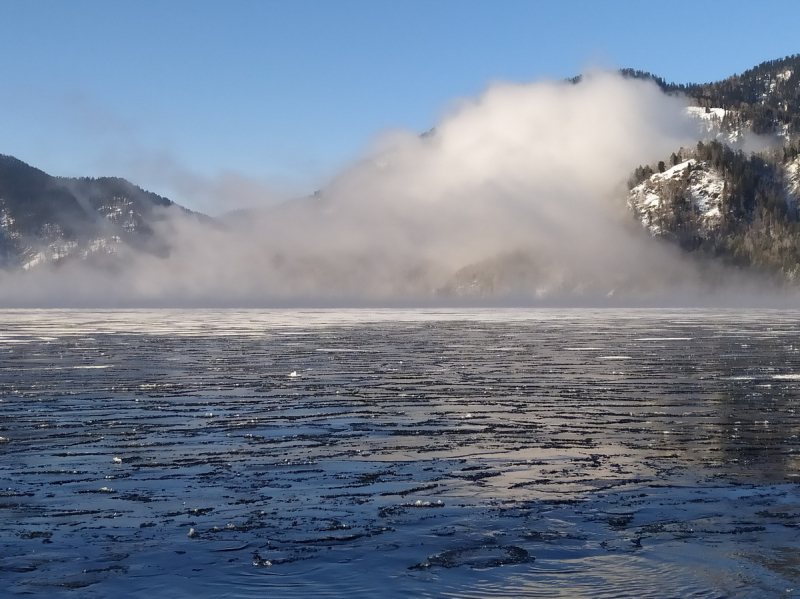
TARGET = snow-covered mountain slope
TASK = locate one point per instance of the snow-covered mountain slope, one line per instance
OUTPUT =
(722, 125)
(740, 207)
(709, 119)
(697, 188)
(691, 186)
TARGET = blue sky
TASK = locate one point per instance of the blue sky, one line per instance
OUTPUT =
(287, 92)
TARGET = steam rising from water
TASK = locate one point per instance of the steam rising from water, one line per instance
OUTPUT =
(516, 195)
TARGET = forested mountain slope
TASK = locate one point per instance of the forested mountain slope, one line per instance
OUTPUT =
(764, 99)
(718, 199)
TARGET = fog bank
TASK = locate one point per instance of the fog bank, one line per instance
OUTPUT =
(517, 196)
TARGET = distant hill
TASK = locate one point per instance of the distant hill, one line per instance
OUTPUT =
(46, 219)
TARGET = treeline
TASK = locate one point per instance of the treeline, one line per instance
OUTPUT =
(642, 173)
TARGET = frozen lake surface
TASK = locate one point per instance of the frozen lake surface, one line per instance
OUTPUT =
(440, 453)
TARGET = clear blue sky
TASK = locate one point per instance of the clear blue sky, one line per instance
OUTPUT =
(294, 89)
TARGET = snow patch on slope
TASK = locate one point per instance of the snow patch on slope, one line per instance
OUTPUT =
(711, 124)
(792, 175)
(7, 229)
(712, 116)
(54, 251)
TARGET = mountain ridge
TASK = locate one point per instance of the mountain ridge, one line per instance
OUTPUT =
(764, 96)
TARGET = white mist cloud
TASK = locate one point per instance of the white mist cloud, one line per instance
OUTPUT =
(210, 194)
(518, 194)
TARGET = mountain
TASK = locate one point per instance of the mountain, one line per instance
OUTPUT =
(764, 99)
(46, 219)
(740, 207)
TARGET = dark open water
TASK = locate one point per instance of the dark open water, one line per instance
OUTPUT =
(543, 453)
